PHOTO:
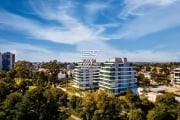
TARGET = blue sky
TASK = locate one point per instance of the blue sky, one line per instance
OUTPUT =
(43, 30)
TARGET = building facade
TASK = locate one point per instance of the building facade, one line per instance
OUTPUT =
(176, 80)
(8, 60)
(86, 78)
(151, 96)
(116, 76)
(0, 61)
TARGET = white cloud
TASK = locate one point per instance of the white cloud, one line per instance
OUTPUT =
(16, 22)
(93, 9)
(153, 20)
(36, 53)
(96, 6)
(70, 29)
(28, 52)
(106, 51)
(58, 11)
(68, 34)
(73, 29)
(134, 6)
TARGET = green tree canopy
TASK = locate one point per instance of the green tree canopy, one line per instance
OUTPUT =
(9, 106)
(167, 99)
(159, 113)
(100, 106)
(53, 67)
(23, 69)
(6, 87)
(165, 108)
(39, 104)
(132, 99)
(136, 114)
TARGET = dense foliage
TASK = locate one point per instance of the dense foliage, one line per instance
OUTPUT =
(19, 102)
(32, 95)
(160, 73)
(103, 106)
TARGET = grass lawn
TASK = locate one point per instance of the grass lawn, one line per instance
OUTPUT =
(75, 91)
(71, 90)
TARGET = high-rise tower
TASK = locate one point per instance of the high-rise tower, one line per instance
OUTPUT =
(8, 60)
(0, 61)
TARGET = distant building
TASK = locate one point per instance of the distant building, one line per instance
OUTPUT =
(36, 65)
(61, 75)
(140, 91)
(42, 70)
(176, 80)
(70, 66)
(0, 61)
(177, 99)
(86, 78)
(147, 75)
(7, 61)
(159, 89)
(151, 96)
(117, 75)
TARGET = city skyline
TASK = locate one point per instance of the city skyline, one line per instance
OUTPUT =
(43, 30)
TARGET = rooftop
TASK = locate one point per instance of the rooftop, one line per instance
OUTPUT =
(123, 60)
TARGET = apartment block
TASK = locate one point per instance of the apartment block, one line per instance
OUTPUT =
(176, 80)
(86, 78)
(7, 61)
(117, 75)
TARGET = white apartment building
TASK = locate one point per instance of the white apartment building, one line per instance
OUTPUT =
(176, 80)
(86, 78)
(117, 75)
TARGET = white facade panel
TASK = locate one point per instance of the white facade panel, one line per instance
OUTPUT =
(117, 75)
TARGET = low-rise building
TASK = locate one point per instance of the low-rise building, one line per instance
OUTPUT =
(42, 70)
(147, 75)
(151, 96)
(36, 65)
(177, 99)
(61, 75)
